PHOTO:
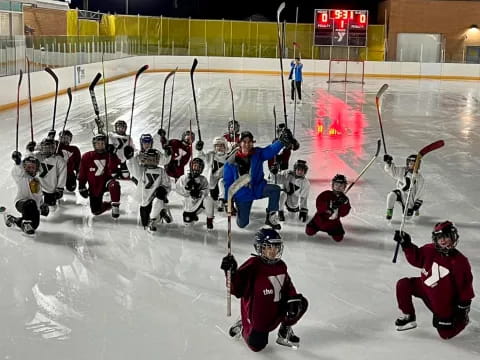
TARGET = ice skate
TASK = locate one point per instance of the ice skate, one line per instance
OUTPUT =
(220, 205)
(151, 227)
(210, 223)
(389, 214)
(281, 215)
(10, 220)
(115, 211)
(166, 216)
(406, 322)
(27, 227)
(286, 337)
(272, 220)
(236, 330)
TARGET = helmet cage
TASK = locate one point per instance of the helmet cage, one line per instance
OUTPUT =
(443, 230)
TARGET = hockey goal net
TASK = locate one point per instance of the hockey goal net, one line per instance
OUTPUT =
(346, 71)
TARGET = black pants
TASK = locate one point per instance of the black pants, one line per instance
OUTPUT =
(49, 199)
(145, 213)
(29, 210)
(71, 184)
(296, 85)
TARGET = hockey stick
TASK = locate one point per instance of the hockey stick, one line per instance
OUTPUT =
(163, 95)
(280, 48)
(239, 183)
(105, 95)
(171, 103)
(55, 78)
(30, 99)
(433, 146)
(366, 166)
(275, 136)
(139, 72)
(69, 93)
(192, 70)
(232, 132)
(18, 108)
(91, 89)
(377, 103)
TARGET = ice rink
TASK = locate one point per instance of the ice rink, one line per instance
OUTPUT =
(93, 288)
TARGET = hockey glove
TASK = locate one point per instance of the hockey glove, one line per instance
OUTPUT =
(274, 168)
(461, 312)
(286, 137)
(417, 204)
(341, 199)
(111, 149)
(59, 193)
(83, 192)
(17, 157)
(161, 193)
(295, 307)
(199, 145)
(442, 324)
(128, 152)
(403, 238)
(31, 146)
(161, 132)
(388, 159)
(167, 150)
(195, 193)
(44, 210)
(229, 263)
(51, 134)
(303, 215)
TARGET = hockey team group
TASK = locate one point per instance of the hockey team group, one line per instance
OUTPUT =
(268, 296)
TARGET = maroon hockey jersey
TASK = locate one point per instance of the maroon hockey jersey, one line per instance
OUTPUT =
(232, 139)
(181, 154)
(282, 159)
(72, 155)
(446, 280)
(261, 287)
(96, 169)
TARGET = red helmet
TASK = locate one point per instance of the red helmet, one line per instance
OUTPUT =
(445, 229)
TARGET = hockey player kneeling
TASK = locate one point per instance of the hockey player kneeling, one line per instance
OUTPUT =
(331, 206)
(154, 185)
(194, 188)
(445, 284)
(97, 168)
(29, 201)
(268, 297)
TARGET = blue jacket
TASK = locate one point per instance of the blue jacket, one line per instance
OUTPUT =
(298, 71)
(255, 189)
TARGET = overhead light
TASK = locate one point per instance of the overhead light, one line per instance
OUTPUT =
(473, 27)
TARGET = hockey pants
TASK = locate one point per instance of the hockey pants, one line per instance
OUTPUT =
(270, 191)
(29, 210)
(98, 206)
(408, 287)
(333, 228)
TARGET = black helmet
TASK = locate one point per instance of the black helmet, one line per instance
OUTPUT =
(31, 160)
(300, 164)
(187, 133)
(149, 158)
(97, 139)
(65, 137)
(120, 124)
(445, 229)
(268, 238)
(47, 147)
(200, 166)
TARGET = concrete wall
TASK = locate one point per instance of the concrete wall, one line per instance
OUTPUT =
(43, 86)
(449, 18)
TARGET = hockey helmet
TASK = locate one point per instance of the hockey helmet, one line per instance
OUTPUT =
(196, 166)
(341, 180)
(120, 127)
(99, 143)
(280, 128)
(65, 137)
(188, 137)
(149, 158)
(220, 145)
(264, 241)
(410, 161)
(146, 142)
(31, 165)
(233, 126)
(47, 147)
(445, 229)
(300, 164)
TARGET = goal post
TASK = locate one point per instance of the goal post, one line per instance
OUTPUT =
(346, 71)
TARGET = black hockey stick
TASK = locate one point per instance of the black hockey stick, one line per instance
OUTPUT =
(69, 93)
(377, 103)
(139, 72)
(192, 70)
(280, 51)
(274, 137)
(171, 103)
(232, 132)
(105, 94)
(18, 108)
(239, 183)
(366, 167)
(433, 146)
(163, 95)
(91, 89)
(30, 99)
(55, 78)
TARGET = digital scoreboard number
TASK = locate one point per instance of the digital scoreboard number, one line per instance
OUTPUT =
(341, 27)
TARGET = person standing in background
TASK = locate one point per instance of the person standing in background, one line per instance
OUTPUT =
(296, 68)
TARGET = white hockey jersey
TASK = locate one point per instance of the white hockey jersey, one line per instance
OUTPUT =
(149, 179)
(192, 204)
(296, 190)
(214, 163)
(28, 187)
(52, 172)
(119, 142)
(404, 182)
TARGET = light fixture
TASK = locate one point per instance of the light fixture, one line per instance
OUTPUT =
(473, 27)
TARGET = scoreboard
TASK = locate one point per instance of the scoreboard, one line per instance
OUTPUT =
(341, 27)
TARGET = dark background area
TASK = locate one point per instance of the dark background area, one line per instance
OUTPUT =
(258, 10)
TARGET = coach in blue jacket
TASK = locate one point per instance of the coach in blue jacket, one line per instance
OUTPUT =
(250, 159)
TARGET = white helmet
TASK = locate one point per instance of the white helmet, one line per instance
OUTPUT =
(219, 142)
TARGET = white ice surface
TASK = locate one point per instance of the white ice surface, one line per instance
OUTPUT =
(86, 288)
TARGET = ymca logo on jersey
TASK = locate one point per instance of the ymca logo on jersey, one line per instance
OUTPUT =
(277, 283)
(45, 169)
(66, 154)
(100, 167)
(178, 156)
(150, 179)
(438, 273)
